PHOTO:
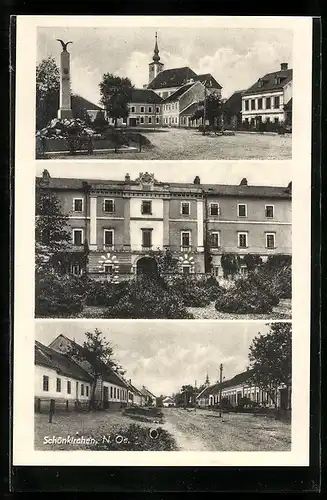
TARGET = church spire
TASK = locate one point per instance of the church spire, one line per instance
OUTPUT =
(156, 57)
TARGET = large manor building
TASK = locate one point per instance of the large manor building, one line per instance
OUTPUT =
(126, 222)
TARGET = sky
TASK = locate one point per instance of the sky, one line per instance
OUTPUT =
(164, 355)
(235, 57)
(276, 173)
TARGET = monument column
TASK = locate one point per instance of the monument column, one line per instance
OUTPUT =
(65, 109)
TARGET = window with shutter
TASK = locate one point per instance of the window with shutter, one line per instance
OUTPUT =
(214, 209)
(146, 208)
(146, 238)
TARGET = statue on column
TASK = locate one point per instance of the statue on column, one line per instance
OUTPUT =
(65, 110)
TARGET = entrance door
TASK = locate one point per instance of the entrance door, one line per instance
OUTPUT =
(105, 397)
(147, 266)
(132, 122)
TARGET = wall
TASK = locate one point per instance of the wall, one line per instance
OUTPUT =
(52, 393)
(271, 112)
(150, 111)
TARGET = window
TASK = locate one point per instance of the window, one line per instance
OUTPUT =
(243, 270)
(133, 109)
(214, 208)
(78, 237)
(142, 119)
(76, 270)
(87, 390)
(109, 269)
(268, 119)
(150, 119)
(78, 205)
(146, 208)
(270, 240)
(186, 239)
(69, 387)
(276, 120)
(142, 109)
(216, 271)
(214, 240)
(241, 210)
(147, 238)
(176, 119)
(260, 103)
(150, 109)
(114, 392)
(246, 102)
(82, 389)
(45, 383)
(111, 392)
(58, 385)
(246, 120)
(269, 211)
(252, 103)
(157, 119)
(277, 102)
(108, 237)
(242, 240)
(185, 208)
(157, 109)
(268, 102)
(109, 206)
(186, 270)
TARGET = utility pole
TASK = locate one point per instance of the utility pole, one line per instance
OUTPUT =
(220, 388)
(205, 108)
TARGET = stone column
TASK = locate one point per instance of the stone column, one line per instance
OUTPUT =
(166, 223)
(200, 222)
(65, 109)
(127, 229)
(93, 223)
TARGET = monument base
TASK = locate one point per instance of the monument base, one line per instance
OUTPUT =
(65, 113)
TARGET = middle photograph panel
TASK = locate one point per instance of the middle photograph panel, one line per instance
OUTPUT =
(172, 243)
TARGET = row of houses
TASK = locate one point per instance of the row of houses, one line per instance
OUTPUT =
(172, 96)
(126, 222)
(68, 381)
(241, 387)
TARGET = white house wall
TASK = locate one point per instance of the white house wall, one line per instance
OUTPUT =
(52, 393)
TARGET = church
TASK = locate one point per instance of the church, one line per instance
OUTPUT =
(171, 96)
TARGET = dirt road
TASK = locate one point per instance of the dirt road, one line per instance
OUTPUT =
(203, 430)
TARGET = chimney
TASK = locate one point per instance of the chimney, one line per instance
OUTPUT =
(196, 180)
(244, 182)
(45, 174)
(130, 381)
(289, 187)
(283, 66)
(127, 178)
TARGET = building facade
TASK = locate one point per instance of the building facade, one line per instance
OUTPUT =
(266, 99)
(126, 223)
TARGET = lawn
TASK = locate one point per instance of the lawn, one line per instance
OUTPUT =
(182, 144)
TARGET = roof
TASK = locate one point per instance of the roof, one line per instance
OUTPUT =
(233, 105)
(238, 379)
(78, 100)
(134, 389)
(144, 95)
(175, 187)
(269, 82)
(289, 105)
(175, 77)
(108, 376)
(176, 95)
(62, 363)
(190, 110)
(146, 392)
(207, 77)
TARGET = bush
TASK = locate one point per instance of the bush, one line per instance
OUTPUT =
(151, 411)
(194, 293)
(138, 439)
(57, 296)
(104, 293)
(147, 298)
(250, 295)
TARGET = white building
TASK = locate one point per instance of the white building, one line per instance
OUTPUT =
(266, 99)
(168, 401)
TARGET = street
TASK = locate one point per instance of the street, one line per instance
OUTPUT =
(203, 430)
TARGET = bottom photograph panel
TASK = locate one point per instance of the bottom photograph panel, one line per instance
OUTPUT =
(162, 386)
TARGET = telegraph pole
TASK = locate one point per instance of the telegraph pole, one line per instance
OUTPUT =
(220, 389)
(205, 108)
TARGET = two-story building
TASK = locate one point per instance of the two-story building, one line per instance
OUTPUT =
(126, 222)
(268, 98)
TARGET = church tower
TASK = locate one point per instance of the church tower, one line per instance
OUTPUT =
(156, 66)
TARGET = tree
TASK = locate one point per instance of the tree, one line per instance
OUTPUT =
(51, 233)
(270, 357)
(115, 95)
(96, 353)
(100, 123)
(230, 264)
(214, 109)
(186, 397)
(166, 261)
(47, 91)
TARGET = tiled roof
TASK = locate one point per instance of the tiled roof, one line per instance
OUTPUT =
(78, 100)
(190, 110)
(176, 95)
(175, 77)
(240, 378)
(233, 105)
(60, 362)
(174, 187)
(269, 84)
(144, 96)
(134, 389)
(207, 77)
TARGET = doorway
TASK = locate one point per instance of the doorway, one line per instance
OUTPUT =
(147, 266)
(105, 397)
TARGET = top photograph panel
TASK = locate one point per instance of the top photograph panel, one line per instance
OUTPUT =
(148, 93)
